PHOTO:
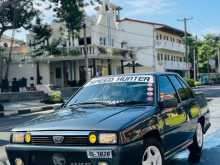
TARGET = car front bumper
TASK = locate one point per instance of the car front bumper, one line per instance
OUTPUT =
(129, 154)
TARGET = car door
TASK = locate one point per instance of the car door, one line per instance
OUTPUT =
(173, 117)
(187, 104)
(193, 109)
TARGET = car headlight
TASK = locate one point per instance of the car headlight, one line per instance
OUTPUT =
(107, 138)
(18, 137)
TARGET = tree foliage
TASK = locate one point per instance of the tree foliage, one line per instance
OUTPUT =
(41, 33)
(15, 14)
(69, 11)
(208, 49)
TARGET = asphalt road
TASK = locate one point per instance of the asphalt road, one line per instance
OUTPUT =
(211, 145)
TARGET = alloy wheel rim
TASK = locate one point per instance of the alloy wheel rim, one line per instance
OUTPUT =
(152, 156)
(199, 135)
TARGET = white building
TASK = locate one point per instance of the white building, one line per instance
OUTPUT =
(158, 47)
(104, 52)
(114, 46)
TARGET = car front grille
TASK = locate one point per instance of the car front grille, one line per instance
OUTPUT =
(68, 140)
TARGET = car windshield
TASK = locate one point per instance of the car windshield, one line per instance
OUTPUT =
(115, 91)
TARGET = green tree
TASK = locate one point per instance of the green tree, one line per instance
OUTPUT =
(41, 35)
(71, 13)
(207, 49)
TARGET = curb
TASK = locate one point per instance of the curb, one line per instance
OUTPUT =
(29, 110)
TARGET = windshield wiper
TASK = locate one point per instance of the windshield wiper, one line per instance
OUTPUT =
(131, 103)
(90, 103)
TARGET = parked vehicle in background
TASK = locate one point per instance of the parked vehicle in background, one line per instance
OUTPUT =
(134, 119)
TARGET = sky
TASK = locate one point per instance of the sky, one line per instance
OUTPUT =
(205, 14)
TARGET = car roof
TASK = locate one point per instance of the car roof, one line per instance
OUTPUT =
(145, 73)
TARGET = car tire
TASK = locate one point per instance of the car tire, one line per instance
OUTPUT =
(152, 153)
(196, 147)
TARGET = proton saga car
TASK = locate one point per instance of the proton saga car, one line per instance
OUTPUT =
(133, 119)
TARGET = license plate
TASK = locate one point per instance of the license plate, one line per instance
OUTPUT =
(99, 154)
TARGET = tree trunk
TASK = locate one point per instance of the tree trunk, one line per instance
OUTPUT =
(9, 56)
(1, 34)
(38, 73)
(1, 69)
(1, 60)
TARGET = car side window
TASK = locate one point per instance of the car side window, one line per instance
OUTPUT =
(182, 90)
(166, 89)
(187, 89)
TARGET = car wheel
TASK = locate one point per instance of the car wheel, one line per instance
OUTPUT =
(153, 153)
(196, 148)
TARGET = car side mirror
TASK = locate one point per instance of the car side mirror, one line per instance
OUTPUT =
(171, 103)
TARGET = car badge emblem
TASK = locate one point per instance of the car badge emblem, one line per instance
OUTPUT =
(58, 139)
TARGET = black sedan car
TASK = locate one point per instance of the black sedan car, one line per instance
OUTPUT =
(134, 119)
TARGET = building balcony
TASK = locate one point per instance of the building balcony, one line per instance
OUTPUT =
(167, 45)
(105, 51)
(175, 65)
(77, 53)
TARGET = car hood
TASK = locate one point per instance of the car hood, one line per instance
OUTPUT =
(87, 118)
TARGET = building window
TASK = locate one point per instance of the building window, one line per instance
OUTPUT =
(164, 37)
(58, 73)
(158, 57)
(88, 40)
(161, 57)
(165, 57)
(100, 41)
(160, 36)
(104, 41)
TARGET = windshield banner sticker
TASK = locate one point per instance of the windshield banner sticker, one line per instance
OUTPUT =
(104, 80)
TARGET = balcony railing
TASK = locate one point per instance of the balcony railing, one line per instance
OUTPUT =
(92, 50)
(161, 44)
(175, 65)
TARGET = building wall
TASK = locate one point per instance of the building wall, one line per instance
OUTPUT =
(45, 73)
(140, 37)
(19, 71)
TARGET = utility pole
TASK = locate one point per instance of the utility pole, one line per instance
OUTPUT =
(185, 20)
(218, 70)
(194, 64)
(86, 52)
(154, 49)
(195, 71)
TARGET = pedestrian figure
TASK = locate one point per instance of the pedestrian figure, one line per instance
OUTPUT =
(15, 85)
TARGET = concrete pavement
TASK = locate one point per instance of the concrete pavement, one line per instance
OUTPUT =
(25, 107)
